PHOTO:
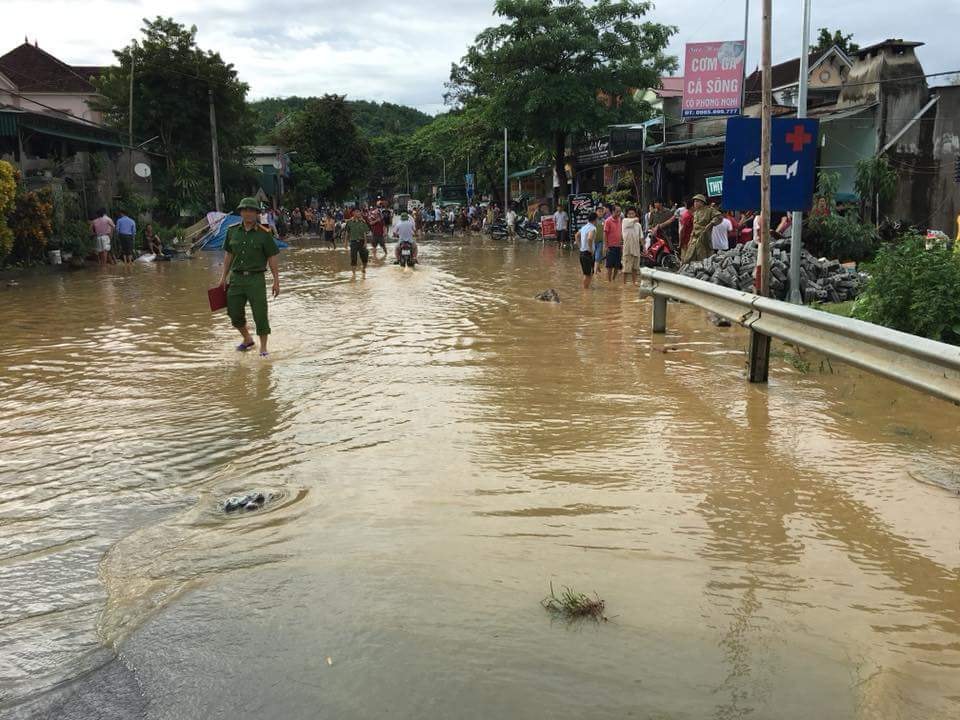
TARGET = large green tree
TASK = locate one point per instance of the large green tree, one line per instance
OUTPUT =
(326, 139)
(556, 68)
(172, 83)
(827, 39)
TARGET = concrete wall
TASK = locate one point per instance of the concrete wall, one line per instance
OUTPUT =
(846, 141)
(942, 188)
(75, 105)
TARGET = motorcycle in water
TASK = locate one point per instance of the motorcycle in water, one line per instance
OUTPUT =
(659, 253)
(498, 230)
(528, 229)
(406, 255)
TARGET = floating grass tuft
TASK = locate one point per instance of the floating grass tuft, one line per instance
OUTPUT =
(573, 605)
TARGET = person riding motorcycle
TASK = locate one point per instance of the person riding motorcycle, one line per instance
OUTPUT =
(404, 231)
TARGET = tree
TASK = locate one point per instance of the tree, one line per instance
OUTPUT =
(172, 79)
(876, 184)
(325, 135)
(561, 67)
(826, 40)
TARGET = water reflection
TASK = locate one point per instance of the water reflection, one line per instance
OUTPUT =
(445, 447)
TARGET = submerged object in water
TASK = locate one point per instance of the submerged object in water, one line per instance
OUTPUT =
(249, 502)
(550, 295)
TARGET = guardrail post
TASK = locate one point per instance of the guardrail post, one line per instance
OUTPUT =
(759, 357)
(659, 314)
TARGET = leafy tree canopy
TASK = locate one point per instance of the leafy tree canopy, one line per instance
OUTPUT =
(373, 119)
(826, 40)
(327, 142)
(171, 81)
(556, 67)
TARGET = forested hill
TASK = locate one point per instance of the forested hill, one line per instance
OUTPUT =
(373, 119)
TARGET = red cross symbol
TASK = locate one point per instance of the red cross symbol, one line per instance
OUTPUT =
(798, 138)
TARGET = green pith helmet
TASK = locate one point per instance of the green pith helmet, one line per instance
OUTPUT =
(404, 216)
(248, 202)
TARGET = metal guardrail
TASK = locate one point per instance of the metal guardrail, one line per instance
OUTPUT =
(926, 365)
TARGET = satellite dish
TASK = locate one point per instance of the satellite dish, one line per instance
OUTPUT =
(142, 170)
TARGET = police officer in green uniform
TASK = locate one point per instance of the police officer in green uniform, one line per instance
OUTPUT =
(249, 249)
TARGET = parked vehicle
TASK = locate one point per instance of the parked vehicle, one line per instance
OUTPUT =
(659, 253)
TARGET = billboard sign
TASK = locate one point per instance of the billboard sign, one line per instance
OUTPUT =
(712, 79)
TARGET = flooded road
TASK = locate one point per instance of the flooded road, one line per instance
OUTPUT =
(442, 447)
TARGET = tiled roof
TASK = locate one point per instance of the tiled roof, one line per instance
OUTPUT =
(786, 73)
(34, 70)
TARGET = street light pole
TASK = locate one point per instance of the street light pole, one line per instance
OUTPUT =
(743, 77)
(796, 234)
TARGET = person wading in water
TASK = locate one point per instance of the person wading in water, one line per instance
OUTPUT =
(248, 249)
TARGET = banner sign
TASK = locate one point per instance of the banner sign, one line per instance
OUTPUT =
(712, 79)
(592, 152)
(548, 227)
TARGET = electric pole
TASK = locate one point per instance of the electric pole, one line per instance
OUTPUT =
(216, 152)
(506, 182)
(760, 343)
(130, 122)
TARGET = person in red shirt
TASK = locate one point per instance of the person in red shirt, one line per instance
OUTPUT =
(377, 229)
(686, 225)
(613, 240)
(733, 236)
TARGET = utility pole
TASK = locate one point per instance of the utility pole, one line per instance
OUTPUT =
(759, 343)
(796, 234)
(506, 181)
(130, 122)
(216, 152)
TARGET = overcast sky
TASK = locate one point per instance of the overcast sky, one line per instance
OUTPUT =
(401, 51)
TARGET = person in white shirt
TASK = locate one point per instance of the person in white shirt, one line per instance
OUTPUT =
(586, 236)
(561, 220)
(720, 235)
(511, 221)
(405, 231)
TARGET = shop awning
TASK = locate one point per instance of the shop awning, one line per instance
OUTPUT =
(77, 132)
(692, 143)
(526, 173)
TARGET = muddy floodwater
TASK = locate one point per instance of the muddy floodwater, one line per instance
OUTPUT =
(438, 448)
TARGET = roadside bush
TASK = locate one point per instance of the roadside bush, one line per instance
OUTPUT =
(76, 238)
(8, 191)
(32, 224)
(841, 237)
(914, 290)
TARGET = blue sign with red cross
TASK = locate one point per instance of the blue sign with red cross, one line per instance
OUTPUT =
(793, 163)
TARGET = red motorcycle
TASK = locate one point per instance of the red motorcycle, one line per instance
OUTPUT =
(659, 253)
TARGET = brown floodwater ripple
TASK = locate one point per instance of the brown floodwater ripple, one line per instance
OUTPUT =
(436, 447)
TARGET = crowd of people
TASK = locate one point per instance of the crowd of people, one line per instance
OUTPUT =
(115, 241)
(612, 241)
